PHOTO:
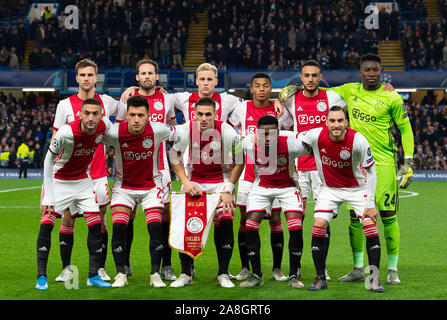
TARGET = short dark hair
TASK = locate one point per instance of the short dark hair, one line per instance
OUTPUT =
(311, 62)
(146, 61)
(338, 108)
(261, 75)
(206, 102)
(137, 101)
(91, 101)
(370, 57)
(268, 119)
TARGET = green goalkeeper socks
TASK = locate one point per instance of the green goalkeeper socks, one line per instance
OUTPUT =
(357, 239)
(392, 238)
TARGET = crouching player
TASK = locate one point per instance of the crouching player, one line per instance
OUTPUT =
(211, 143)
(273, 154)
(67, 185)
(346, 167)
(137, 142)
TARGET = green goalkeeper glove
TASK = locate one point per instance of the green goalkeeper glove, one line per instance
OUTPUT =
(405, 174)
(289, 91)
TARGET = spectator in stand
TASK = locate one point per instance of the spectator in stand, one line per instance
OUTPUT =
(13, 58)
(176, 48)
(353, 59)
(165, 53)
(209, 53)
(4, 57)
(125, 51)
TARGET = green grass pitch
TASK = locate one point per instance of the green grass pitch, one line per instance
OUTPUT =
(422, 263)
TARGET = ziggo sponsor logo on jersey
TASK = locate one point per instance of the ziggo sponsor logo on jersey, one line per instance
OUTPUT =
(157, 117)
(362, 116)
(130, 155)
(334, 163)
(306, 119)
(84, 152)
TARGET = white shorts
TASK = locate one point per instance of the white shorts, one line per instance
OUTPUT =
(308, 179)
(330, 199)
(263, 199)
(76, 195)
(243, 192)
(164, 180)
(129, 198)
(101, 189)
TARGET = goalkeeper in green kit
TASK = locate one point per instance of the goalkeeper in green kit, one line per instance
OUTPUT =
(374, 112)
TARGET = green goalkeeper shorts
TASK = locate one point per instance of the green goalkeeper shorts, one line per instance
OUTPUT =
(387, 198)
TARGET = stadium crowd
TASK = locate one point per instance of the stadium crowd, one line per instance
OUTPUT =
(28, 120)
(281, 34)
(277, 34)
(113, 33)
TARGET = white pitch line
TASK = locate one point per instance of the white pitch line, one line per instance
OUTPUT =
(410, 194)
(19, 189)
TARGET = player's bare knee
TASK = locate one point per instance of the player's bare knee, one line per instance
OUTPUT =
(255, 215)
(320, 222)
(67, 219)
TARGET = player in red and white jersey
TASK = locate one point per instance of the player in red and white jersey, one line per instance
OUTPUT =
(210, 144)
(206, 81)
(68, 110)
(273, 155)
(245, 117)
(161, 109)
(346, 166)
(137, 143)
(68, 185)
(308, 108)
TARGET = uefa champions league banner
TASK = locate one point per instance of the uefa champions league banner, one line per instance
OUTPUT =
(14, 173)
(429, 175)
(241, 79)
(399, 79)
(23, 78)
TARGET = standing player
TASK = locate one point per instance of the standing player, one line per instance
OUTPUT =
(374, 112)
(273, 156)
(137, 143)
(68, 185)
(161, 109)
(211, 144)
(346, 167)
(246, 117)
(206, 81)
(308, 108)
(68, 110)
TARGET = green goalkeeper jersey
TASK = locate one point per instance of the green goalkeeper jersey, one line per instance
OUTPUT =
(374, 113)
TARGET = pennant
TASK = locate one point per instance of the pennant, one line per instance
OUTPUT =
(191, 219)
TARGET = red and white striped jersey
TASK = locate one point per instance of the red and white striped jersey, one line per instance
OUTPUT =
(245, 116)
(210, 154)
(225, 104)
(309, 113)
(137, 156)
(277, 168)
(75, 150)
(69, 109)
(342, 164)
(161, 109)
